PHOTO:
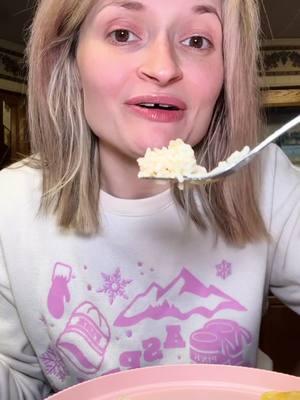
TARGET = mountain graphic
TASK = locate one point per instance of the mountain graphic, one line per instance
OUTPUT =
(175, 300)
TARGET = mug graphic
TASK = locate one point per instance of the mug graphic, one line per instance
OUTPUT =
(219, 342)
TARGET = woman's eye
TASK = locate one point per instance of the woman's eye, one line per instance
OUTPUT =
(198, 42)
(122, 36)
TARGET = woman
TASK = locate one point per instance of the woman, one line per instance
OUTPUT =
(101, 271)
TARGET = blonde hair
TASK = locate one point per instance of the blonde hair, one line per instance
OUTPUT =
(232, 204)
(67, 150)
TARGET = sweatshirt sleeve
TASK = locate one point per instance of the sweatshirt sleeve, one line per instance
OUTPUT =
(20, 374)
(284, 257)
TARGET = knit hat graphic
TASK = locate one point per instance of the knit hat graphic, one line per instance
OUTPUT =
(85, 338)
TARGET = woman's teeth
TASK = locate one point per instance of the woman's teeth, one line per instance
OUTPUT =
(159, 106)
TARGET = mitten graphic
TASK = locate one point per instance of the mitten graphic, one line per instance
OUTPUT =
(59, 292)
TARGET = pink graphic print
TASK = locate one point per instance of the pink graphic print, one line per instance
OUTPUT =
(85, 338)
(157, 303)
(219, 342)
(59, 291)
(54, 364)
(224, 269)
(114, 285)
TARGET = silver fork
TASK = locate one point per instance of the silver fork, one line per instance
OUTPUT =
(232, 168)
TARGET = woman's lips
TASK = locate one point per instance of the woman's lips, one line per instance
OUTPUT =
(139, 106)
(156, 114)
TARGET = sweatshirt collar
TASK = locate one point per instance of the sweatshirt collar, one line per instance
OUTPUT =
(135, 207)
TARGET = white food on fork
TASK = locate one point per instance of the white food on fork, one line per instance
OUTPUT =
(177, 161)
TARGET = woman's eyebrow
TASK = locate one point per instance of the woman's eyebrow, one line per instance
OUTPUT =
(128, 5)
(206, 9)
(134, 5)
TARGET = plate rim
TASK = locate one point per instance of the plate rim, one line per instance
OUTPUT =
(170, 373)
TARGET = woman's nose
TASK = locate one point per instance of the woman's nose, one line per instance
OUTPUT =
(160, 64)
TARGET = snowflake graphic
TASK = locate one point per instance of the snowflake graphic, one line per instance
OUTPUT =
(224, 269)
(114, 285)
(54, 364)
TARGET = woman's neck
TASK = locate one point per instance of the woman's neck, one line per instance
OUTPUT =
(119, 177)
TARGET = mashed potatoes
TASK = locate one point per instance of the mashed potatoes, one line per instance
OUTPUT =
(177, 161)
(234, 158)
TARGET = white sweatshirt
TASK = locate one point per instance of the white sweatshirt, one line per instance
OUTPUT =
(149, 289)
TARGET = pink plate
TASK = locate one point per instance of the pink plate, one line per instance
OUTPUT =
(182, 382)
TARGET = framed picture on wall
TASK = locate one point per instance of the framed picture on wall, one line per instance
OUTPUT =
(281, 90)
(281, 62)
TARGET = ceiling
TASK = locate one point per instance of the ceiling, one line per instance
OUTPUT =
(280, 19)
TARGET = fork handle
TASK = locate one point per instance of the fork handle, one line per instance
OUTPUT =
(275, 135)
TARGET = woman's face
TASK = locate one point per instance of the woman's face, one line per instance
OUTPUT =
(151, 71)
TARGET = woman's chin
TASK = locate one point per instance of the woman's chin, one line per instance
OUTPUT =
(154, 142)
